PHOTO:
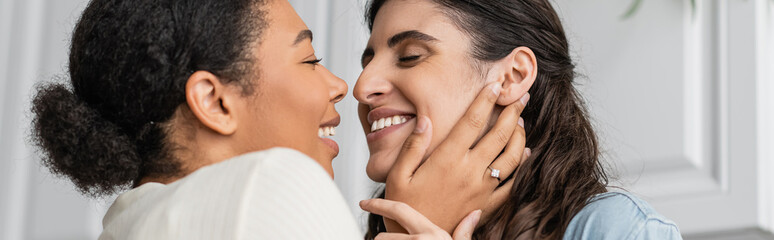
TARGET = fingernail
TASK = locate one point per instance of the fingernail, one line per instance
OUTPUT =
(364, 202)
(528, 151)
(524, 99)
(476, 216)
(521, 122)
(496, 88)
(422, 123)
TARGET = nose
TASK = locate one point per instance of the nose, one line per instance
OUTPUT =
(337, 87)
(372, 86)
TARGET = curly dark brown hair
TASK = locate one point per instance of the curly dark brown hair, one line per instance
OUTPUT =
(564, 170)
(128, 66)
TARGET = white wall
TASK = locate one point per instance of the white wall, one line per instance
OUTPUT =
(765, 67)
(681, 99)
(34, 205)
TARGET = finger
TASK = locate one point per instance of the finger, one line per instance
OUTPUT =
(464, 230)
(413, 221)
(413, 150)
(499, 197)
(502, 193)
(507, 160)
(392, 236)
(513, 155)
(467, 129)
(495, 140)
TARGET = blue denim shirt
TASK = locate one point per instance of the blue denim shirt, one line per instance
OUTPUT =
(620, 216)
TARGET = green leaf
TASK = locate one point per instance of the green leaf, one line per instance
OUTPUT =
(633, 9)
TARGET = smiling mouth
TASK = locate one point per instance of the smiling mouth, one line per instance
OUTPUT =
(329, 131)
(387, 122)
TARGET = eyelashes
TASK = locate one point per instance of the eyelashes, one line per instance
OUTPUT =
(409, 58)
(407, 61)
(314, 62)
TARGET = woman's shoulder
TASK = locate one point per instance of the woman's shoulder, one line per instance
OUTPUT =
(293, 191)
(221, 181)
(273, 172)
(286, 169)
(245, 197)
(620, 205)
(267, 160)
(620, 215)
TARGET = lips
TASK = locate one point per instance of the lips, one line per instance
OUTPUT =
(384, 121)
(332, 123)
(328, 129)
(381, 113)
(388, 122)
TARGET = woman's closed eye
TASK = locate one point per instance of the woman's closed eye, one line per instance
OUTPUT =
(409, 58)
(412, 53)
(314, 62)
(409, 61)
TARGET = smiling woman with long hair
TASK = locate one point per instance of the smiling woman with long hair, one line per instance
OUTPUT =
(211, 119)
(424, 57)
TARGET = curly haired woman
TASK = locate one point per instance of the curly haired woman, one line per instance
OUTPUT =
(211, 118)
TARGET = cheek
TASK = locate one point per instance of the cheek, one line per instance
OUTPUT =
(312, 103)
(444, 114)
(433, 91)
(446, 102)
(299, 107)
(308, 94)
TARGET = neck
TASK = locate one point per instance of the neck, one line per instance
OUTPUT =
(196, 147)
(189, 160)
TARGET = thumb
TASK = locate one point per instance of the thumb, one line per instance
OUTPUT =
(464, 230)
(413, 150)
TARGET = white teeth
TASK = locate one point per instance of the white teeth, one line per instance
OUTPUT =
(387, 122)
(326, 131)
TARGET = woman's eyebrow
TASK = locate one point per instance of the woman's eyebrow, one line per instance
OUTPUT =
(303, 35)
(411, 34)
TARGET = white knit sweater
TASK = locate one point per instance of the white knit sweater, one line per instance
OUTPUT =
(272, 194)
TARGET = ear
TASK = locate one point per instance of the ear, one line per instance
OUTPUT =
(520, 70)
(210, 102)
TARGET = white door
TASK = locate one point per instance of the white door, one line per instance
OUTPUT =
(677, 93)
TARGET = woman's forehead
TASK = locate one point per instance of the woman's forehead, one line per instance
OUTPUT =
(285, 28)
(400, 16)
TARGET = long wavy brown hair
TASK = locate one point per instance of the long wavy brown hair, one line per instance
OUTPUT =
(564, 170)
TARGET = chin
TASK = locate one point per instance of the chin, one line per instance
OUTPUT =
(326, 163)
(379, 166)
(327, 166)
